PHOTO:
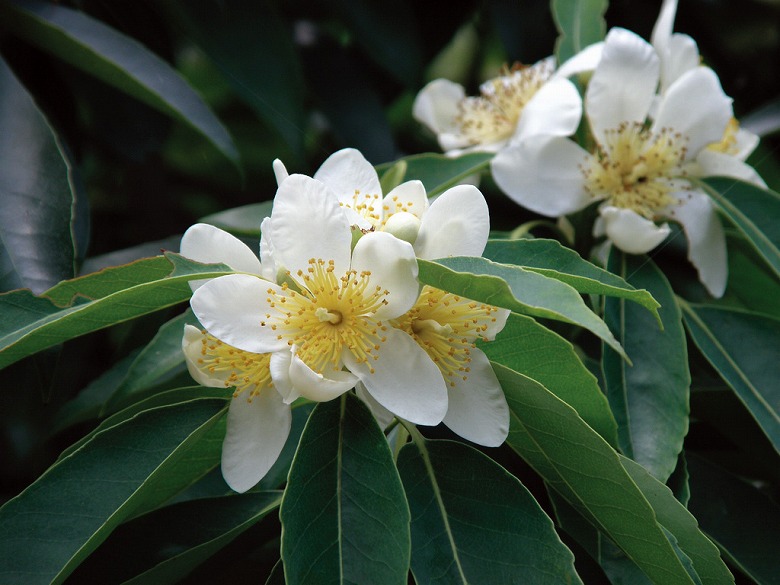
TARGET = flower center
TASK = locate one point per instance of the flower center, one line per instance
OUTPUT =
(242, 369)
(493, 115)
(330, 315)
(446, 327)
(634, 168)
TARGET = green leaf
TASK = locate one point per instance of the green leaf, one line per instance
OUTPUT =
(742, 347)
(167, 544)
(78, 501)
(550, 258)
(516, 289)
(531, 349)
(650, 398)
(393, 176)
(577, 463)
(438, 172)
(98, 300)
(473, 522)
(753, 210)
(36, 194)
(115, 59)
(580, 23)
(738, 517)
(241, 221)
(752, 285)
(344, 515)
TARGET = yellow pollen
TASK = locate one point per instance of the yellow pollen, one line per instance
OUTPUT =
(244, 370)
(367, 205)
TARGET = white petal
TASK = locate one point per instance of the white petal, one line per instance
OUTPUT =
(718, 163)
(208, 244)
(393, 267)
(256, 434)
(409, 196)
(746, 143)
(554, 110)
(436, 105)
(191, 345)
(347, 171)
(477, 407)
(319, 387)
(543, 174)
(706, 241)
(495, 327)
(662, 30)
(456, 224)
(267, 262)
(631, 232)
(232, 308)
(623, 85)
(682, 57)
(280, 171)
(696, 107)
(584, 61)
(405, 380)
(307, 222)
(383, 416)
(279, 366)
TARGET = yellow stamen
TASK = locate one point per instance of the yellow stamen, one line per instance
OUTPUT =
(728, 144)
(242, 369)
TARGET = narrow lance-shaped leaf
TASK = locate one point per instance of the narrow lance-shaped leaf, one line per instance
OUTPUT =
(73, 507)
(344, 515)
(438, 172)
(98, 300)
(650, 398)
(473, 522)
(580, 23)
(115, 59)
(516, 289)
(578, 464)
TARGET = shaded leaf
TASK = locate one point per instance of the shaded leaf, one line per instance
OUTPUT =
(242, 221)
(580, 23)
(438, 172)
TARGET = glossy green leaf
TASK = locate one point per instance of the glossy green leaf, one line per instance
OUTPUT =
(98, 300)
(577, 463)
(738, 517)
(753, 210)
(241, 221)
(393, 176)
(438, 172)
(650, 398)
(36, 194)
(527, 347)
(115, 59)
(473, 522)
(743, 348)
(514, 288)
(167, 544)
(752, 285)
(344, 515)
(580, 23)
(550, 258)
(78, 501)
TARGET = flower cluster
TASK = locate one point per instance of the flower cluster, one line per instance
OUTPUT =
(656, 119)
(334, 303)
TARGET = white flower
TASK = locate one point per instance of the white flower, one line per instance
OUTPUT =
(457, 223)
(639, 166)
(327, 324)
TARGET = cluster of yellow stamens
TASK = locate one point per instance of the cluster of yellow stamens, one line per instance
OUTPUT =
(328, 315)
(493, 115)
(446, 327)
(242, 369)
(634, 167)
(370, 206)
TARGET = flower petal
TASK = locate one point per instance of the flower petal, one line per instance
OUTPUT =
(436, 105)
(280, 171)
(279, 366)
(307, 222)
(383, 416)
(495, 327)
(746, 143)
(393, 267)
(683, 56)
(191, 345)
(208, 244)
(267, 251)
(584, 61)
(706, 240)
(319, 387)
(696, 107)
(477, 407)
(554, 110)
(348, 171)
(543, 174)
(409, 196)
(405, 380)
(256, 433)
(623, 85)
(631, 232)
(664, 24)
(232, 309)
(724, 165)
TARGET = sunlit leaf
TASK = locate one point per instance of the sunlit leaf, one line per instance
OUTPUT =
(438, 172)
(344, 515)
(473, 522)
(580, 23)
(115, 59)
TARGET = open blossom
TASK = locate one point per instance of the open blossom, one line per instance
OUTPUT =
(327, 323)
(639, 166)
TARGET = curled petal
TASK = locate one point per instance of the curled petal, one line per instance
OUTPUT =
(280, 171)
(477, 407)
(495, 327)
(208, 244)
(436, 105)
(191, 345)
(631, 232)
(409, 196)
(346, 172)
(584, 61)
(404, 379)
(554, 110)
(456, 224)
(664, 24)
(319, 387)
(256, 433)
(279, 366)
